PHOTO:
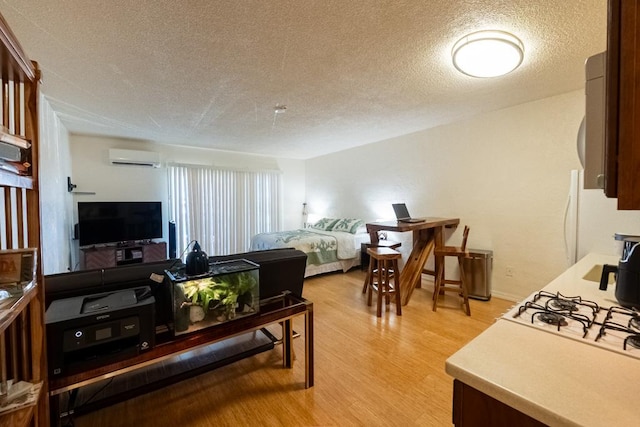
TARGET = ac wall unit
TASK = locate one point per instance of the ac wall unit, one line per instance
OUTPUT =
(134, 158)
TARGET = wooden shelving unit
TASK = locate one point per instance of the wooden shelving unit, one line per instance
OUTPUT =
(22, 346)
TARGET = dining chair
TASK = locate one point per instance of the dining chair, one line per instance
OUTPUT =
(459, 286)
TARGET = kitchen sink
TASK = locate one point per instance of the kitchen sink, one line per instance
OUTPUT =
(595, 274)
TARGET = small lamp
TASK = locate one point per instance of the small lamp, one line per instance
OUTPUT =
(196, 262)
(305, 215)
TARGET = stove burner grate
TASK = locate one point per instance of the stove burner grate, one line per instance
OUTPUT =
(632, 340)
(559, 302)
(550, 318)
(616, 328)
(562, 304)
(555, 317)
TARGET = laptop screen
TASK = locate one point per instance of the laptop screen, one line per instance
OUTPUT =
(401, 211)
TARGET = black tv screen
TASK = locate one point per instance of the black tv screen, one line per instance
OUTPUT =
(111, 222)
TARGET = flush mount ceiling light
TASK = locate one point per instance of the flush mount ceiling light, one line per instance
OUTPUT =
(487, 53)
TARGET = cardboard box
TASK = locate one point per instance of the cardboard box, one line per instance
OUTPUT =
(17, 267)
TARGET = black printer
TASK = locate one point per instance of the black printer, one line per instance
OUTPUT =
(92, 330)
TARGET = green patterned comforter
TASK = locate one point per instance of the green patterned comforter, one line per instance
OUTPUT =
(320, 247)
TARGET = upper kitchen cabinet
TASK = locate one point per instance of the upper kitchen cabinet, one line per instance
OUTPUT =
(622, 126)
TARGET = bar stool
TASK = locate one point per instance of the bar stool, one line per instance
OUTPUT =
(458, 286)
(386, 260)
(381, 244)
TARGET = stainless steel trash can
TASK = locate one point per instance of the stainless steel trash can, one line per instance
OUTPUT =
(478, 268)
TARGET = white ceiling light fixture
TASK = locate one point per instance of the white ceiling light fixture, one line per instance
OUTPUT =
(488, 53)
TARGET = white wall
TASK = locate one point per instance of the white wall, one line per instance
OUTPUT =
(92, 172)
(55, 201)
(598, 222)
(504, 173)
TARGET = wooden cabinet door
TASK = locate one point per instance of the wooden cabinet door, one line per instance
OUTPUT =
(472, 408)
(154, 252)
(622, 155)
(98, 258)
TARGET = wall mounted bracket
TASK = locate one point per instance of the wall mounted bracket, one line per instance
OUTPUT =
(71, 187)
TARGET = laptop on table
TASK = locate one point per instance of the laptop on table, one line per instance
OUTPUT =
(402, 213)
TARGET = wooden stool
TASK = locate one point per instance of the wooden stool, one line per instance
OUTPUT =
(459, 286)
(386, 260)
(381, 244)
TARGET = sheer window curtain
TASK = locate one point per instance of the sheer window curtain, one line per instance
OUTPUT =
(222, 208)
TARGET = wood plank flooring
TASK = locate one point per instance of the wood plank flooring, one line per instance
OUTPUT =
(369, 371)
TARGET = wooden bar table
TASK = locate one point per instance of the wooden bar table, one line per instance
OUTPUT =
(426, 235)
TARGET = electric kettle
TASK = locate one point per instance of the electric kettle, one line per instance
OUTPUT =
(628, 278)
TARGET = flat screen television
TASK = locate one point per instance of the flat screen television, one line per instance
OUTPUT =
(112, 222)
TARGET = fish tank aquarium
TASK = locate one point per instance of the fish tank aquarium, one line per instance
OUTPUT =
(230, 290)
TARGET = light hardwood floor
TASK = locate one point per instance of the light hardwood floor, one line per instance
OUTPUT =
(369, 371)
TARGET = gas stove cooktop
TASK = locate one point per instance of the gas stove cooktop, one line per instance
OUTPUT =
(613, 328)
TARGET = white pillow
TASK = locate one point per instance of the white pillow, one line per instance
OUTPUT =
(362, 229)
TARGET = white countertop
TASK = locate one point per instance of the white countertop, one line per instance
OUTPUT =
(555, 379)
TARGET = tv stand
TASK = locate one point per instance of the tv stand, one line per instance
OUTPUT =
(122, 254)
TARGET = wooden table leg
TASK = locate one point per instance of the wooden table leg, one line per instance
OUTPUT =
(54, 410)
(438, 237)
(287, 344)
(373, 238)
(416, 237)
(412, 271)
(308, 351)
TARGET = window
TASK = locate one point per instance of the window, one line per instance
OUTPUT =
(222, 209)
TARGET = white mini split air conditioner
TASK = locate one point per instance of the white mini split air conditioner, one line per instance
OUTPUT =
(134, 158)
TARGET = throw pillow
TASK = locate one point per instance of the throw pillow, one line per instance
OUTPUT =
(348, 225)
(325, 224)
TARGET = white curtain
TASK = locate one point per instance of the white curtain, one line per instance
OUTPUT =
(222, 209)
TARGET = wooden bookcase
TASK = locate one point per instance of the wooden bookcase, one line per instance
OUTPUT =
(22, 349)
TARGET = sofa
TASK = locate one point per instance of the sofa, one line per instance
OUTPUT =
(280, 270)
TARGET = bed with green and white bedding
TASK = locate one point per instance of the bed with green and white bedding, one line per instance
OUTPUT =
(330, 244)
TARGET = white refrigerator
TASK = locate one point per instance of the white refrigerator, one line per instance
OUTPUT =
(592, 220)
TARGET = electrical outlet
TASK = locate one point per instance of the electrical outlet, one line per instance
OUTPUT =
(509, 272)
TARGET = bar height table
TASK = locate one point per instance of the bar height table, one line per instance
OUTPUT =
(427, 235)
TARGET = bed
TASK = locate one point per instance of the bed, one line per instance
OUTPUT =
(330, 244)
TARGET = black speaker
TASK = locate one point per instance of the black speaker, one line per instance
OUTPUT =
(172, 239)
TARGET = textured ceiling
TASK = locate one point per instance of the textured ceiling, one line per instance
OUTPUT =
(209, 73)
